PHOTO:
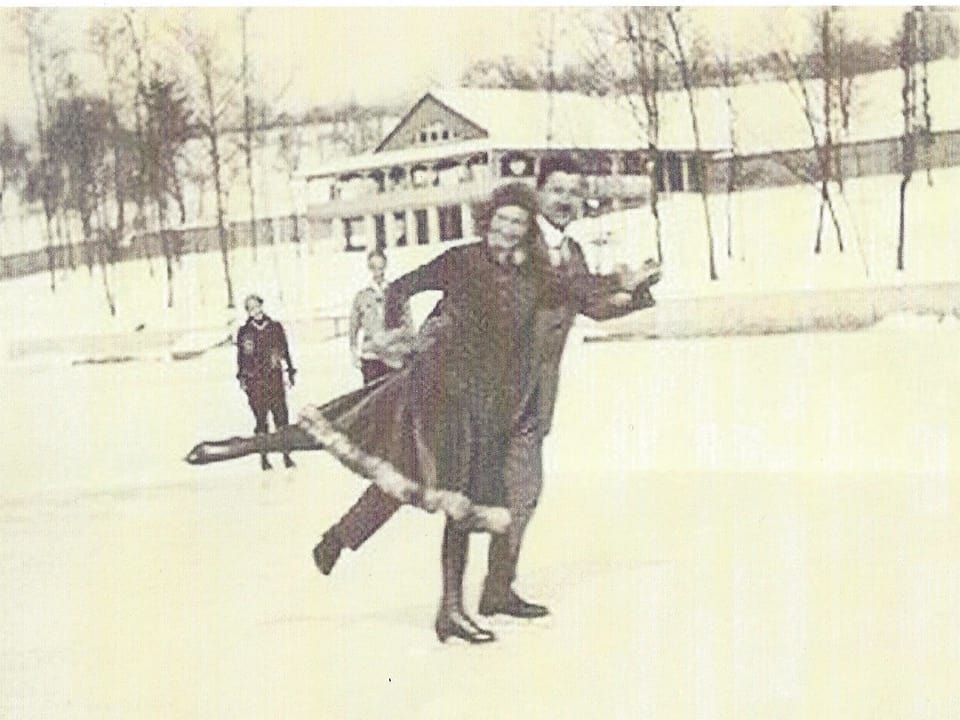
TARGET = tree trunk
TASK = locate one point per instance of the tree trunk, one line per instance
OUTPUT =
(165, 243)
(701, 166)
(823, 204)
(903, 216)
(248, 131)
(102, 252)
(221, 226)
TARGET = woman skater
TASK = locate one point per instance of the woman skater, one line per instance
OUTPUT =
(434, 434)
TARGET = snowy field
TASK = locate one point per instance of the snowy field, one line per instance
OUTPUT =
(731, 528)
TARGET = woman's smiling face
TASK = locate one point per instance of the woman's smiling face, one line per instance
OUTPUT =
(508, 226)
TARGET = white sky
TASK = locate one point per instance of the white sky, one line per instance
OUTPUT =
(326, 55)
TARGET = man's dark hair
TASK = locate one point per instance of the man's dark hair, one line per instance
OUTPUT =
(557, 162)
(253, 296)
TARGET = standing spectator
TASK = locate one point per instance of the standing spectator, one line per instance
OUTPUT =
(261, 352)
(373, 353)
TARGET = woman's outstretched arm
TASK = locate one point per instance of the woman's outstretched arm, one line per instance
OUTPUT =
(286, 439)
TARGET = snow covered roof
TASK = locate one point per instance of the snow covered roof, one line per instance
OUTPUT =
(766, 117)
(517, 119)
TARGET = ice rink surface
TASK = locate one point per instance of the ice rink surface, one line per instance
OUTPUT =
(731, 528)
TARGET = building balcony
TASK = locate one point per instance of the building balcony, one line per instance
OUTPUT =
(401, 199)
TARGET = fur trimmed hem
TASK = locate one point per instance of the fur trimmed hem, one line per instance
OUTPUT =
(455, 505)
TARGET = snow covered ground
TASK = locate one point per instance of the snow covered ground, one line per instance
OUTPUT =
(731, 528)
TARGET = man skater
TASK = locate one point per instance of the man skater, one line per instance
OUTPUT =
(261, 352)
(560, 190)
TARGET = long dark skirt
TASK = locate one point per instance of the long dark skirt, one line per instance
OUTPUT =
(428, 435)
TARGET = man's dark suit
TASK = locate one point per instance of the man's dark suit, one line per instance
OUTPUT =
(523, 467)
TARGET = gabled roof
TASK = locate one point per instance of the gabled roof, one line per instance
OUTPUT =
(425, 99)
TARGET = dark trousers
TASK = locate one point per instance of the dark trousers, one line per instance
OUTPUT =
(265, 401)
(523, 478)
(373, 370)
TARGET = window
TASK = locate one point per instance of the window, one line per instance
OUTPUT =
(445, 134)
(693, 173)
(433, 136)
(423, 136)
(674, 165)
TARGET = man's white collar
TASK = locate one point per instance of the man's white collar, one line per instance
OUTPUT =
(551, 235)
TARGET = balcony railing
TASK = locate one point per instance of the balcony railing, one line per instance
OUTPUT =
(397, 200)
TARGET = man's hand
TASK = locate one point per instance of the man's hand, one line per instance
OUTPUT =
(630, 280)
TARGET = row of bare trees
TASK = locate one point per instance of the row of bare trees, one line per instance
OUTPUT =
(174, 110)
(637, 53)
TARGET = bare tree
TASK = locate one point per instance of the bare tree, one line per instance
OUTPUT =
(168, 125)
(247, 145)
(734, 170)
(289, 154)
(626, 57)
(687, 70)
(79, 144)
(136, 37)
(106, 36)
(213, 92)
(43, 60)
(657, 38)
(827, 120)
(915, 108)
(13, 162)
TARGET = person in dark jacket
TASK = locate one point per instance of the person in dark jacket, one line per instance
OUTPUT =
(262, 350)
(435, 433)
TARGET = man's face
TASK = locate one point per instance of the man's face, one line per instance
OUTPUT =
(378, 268)
(561, 198)
(508, 226)
(254, 308)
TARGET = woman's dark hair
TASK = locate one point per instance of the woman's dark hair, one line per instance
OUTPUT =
(557, 162)
(515, 193)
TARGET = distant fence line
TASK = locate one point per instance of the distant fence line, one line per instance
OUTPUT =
(181, 241)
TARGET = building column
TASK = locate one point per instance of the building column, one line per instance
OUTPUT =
(466, 220)
(615, 181)
(411, 223)
(433, 225)
(339, 228)
(369, 231)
